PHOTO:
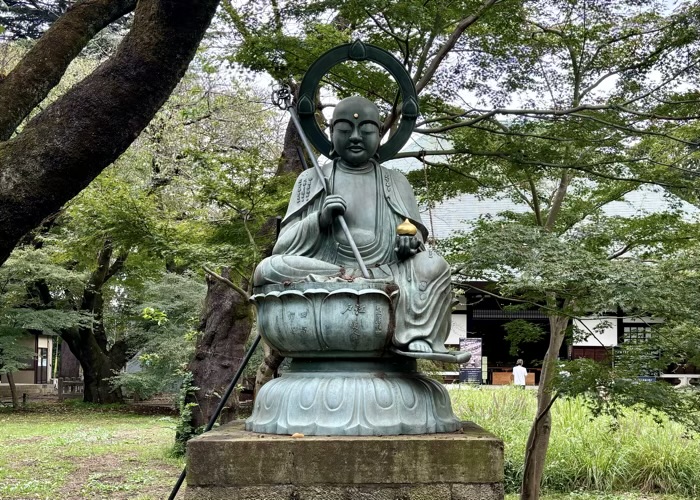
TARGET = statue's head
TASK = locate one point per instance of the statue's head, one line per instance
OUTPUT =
(355, 130)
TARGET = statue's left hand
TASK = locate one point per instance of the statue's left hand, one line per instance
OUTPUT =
(406, 246)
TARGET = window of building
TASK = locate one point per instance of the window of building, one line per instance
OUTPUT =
(636, 334)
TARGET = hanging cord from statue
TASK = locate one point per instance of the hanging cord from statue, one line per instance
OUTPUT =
(282, 98)
(431, 238)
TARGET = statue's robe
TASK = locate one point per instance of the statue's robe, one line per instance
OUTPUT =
(305, 252)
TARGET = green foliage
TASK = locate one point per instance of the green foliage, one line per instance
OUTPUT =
(166, 333)
(21, 306)
(609, 389)
(633, 451)
(13, 354)
(184, 430)
(519, 331)
(432, 369)
(196, 188)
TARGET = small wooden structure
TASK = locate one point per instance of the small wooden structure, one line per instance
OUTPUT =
(506, 378)
(70, 388)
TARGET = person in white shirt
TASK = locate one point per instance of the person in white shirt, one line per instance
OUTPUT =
(519, 374)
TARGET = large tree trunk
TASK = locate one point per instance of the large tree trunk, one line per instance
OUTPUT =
(68, 144)
(13, 390)
(90, 345)
(225, 327)
(538, 440)
(98, 367)
(69, 366)
(268, 367)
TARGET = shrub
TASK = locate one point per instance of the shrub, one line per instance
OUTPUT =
(630, 453)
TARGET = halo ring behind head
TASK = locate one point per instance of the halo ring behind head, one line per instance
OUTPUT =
(357, 51)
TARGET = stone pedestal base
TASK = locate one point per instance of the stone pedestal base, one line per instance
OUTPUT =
(231, 463)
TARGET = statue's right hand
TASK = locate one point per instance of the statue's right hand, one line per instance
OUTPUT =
(333, 206)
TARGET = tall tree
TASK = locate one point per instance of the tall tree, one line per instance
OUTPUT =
(595, 79)
(63, 147)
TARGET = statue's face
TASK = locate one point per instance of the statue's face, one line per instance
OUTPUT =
(355, 143)
(355, 130)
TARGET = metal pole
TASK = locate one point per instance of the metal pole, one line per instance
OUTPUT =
(216, 414)
(326, 187)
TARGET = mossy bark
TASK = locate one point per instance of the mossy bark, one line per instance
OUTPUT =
(225, 327)
(68, 144)
(45, 63)
(98, 367)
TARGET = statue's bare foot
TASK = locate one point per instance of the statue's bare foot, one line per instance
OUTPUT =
(419, 346)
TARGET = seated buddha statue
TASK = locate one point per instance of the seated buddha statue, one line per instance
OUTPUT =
(374, 201)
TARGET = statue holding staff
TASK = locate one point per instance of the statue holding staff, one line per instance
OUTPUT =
(374, 201)
(350, 293)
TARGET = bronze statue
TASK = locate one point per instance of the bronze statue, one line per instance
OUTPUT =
(374, 200)
(351, 294)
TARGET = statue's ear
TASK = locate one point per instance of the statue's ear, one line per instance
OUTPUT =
(381, 134)
(332, 154)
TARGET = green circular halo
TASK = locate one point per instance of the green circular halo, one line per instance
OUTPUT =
(357, 51)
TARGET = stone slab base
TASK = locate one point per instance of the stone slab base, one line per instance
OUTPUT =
(234, 464)
(376, 492)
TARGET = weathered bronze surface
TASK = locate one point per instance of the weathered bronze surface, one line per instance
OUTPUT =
(352, 336)
(357, 51)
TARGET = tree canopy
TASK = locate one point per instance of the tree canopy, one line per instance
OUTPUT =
(66, 145)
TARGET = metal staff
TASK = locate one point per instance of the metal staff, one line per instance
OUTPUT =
(219, 408)
(282, 97)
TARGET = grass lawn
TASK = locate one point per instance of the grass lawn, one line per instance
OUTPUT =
(604, 496)
(76, 451)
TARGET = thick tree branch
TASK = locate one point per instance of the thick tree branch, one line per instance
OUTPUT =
(558, 200)
(630, 67)
(228, 282)
(117, 265)
(118, 353)
(535, 200)
(62, 149)
(587, 168)
(43, 66)
(100, 275)
(621, 251)
(450, 43)
(573, 111)
(427, 45)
